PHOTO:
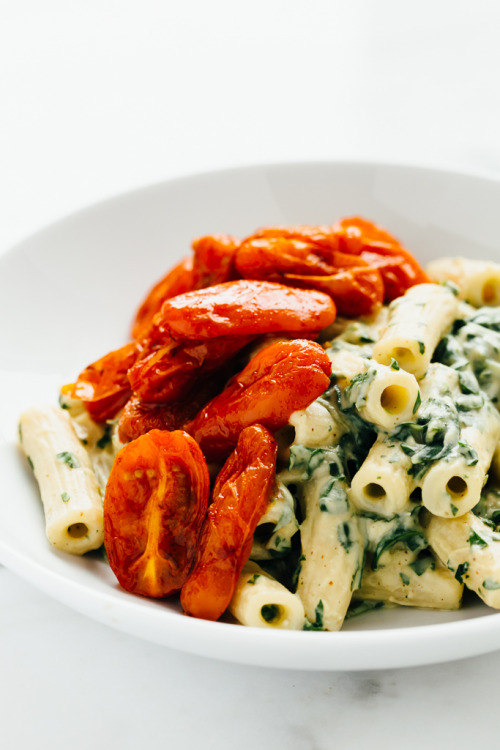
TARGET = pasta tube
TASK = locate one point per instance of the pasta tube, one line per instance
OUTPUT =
(100, 440)
(454, 446)
(332, 547)
(70, 494)
(471, 550)
(401, 580)
(452, 486)
(384, 396)
(316, 426)
(417, 321)
(274, 532)
(478, 280)
(383, 484)
(261, 601)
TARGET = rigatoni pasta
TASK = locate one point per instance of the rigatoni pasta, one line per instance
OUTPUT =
(416, 322)
(68, 486)
(478, 281)
(260, 601)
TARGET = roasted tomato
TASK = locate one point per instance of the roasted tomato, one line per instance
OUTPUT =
(155, 503)
(398, 268)
(322, 236)
(280, 379)
(355, 286)
(177, 281)
(356, 291)
(241, 308)
(214, 260)
(240, 497)
(168, 373)
(139, 416)
(103, 386)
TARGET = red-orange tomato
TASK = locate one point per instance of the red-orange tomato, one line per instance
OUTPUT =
(155, 503)
(240, 497)
(358, 290)
(167, 373)
(242, 308)
(398, 267)
(355, 286)
(280, 379)
(178, 280)
(270, 258)
(322, 236)
(214, 260)
(139, 416)
(103, 386)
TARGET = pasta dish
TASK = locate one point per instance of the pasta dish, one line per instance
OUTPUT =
(303, 426)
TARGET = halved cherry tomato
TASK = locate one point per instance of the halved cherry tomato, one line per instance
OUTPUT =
(178, 280)
(240, 497)
(398, 267)
(280, 379)
(155, 503)
(355, 286)
(167, 373)
(356, 291)
(139, 416)
(322, 236)
(214, 260)
(242, 308)
(103, 386)
(270, 258)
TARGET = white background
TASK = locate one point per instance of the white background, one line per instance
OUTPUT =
(101, 96)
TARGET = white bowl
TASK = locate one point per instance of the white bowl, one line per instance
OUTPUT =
(67, 296)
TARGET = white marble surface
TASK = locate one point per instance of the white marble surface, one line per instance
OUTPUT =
(101, 96)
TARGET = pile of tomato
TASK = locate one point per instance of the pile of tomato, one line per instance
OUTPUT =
(223, 351)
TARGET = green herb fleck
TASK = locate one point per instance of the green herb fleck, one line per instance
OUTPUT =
(421, 347)
(405, 579)
(394, 364)
(65, 497)
(344, 535)
(318, 623)
(477, 540)
(423, 563)
(461, 571)
(31, 463)
(490, 585)
(66, 457)
(453, 509)
(105, 440)
(417, 403)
